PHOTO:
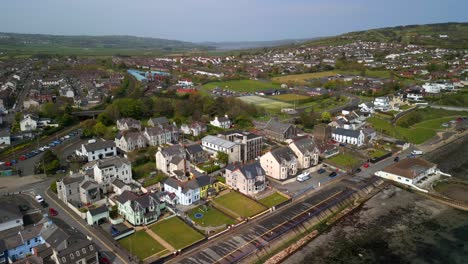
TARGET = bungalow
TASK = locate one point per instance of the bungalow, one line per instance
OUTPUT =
(248, 179)
(348, 136)
(95, 150)
(125, 124)
(131, 141)
(280, 163)
(221, 122)
(279, 131)
(306, 151)
(140, 209)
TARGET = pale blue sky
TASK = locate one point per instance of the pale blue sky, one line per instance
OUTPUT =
(221, 20)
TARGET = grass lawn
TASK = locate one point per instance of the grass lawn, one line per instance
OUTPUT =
(375, 153)
(290, 98)
(344, 160)
(141, 244)
(177, 233)
(435, 123)
(265, 102)
(240, 204)
(212, 217)
(302, 78)
(273, 199)
(415, 135)
(405, 107)
(248, 86)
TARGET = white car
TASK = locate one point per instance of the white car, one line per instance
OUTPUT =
(39, 199)
(416, 152)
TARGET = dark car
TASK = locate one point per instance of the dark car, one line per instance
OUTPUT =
(332, 174)
(44, 204)
(321, 171)
(396, 159)
(358, 170)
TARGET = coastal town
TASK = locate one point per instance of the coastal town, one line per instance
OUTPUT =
(218, 158)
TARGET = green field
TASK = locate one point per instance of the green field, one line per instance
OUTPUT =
(302, 78)
(240, 204)
(212, 217)
(345, 160)
(376, 153)
(142, 245)
(290, 98)
(177, 233)
(273, 200)
(248, 86)
(265, 102)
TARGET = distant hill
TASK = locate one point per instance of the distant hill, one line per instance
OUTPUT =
(444, 35)
(82, 45)
(237, 45)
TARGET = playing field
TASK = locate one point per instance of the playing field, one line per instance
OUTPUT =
(302, 78)
(273, 199)
(211, 217)
(264, 102)
(249, 86)
(240, 204)
(142, 245)
(177, 233)
(290, 97)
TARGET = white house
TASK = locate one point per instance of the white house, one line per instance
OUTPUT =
(214, 144)
(95, 150)
(432, 87)
(185, 83)
(348, 136)
(195, 128)
(222, 122)
(125, 124)
(5, 137)
(105, 171)
(415, 97)
(382, 103)
(367, 107)
(189, 191)
(28, 123)
(170, 159)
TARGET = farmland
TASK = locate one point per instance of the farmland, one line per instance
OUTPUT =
(244, 86)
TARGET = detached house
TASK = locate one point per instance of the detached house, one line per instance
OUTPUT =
(196, 154)
(280, 163)
(221, 122)
(125, 124)
(306, 151)
(96, 150)
(105, 171)
(248, 179)
(348, 136)
(140, 209)
(279, 131)
(130, 141)
(78, 190)
(28, 123)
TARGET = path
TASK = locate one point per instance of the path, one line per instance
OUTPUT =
(451, 108)
(160, 240)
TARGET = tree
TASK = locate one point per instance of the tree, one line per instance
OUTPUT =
(326, 116)
(222, 157)
(49, 164)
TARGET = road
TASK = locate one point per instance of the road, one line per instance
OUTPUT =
(451, 108)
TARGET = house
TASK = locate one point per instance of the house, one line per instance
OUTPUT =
(250, 144)
(317, 91)
(130, 141)
(306, 151)
(196, 154)
(410, 171)
(11, 215)
(28, 123)
(367, 107)
(221, 122)
(78, 190)
(97, 215)
(158, 121)
(433, 87)
(105, 171)
(248, 179)
(18, 243)
(280, 163)
(97, 149)
(118, 186)
(189, 191)
(5, 137)
(279, 131)
(161, 132)
(30, 103)
(195, 128)
(322, 132)
(382, 103)
(171, 157)
(214, 144)
(326, 149)
(125, 124)
(140, 209)
(348, 136)
(83, 251)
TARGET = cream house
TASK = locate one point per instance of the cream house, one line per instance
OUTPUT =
(248, 179)
(306, 151)
(280, 163)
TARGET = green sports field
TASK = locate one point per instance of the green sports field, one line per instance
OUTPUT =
(265, 102)
(248, 86)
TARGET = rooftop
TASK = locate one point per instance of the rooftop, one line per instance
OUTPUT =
(409, 168)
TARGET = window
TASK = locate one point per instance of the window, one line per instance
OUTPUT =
(64, 259)
(72, 256)
(84, 250)
(77, 253)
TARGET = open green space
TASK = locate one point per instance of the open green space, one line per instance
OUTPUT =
(290, 98)
(248, 86)
(273, 199)
(376, 153)
(142, 245)
(265, 102)
(240, 204)
(302, 78)
(345, 160)
(177, 233)
(211, 216)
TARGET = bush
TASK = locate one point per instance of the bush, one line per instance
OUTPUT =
(53, 186)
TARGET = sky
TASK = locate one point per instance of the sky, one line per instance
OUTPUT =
(221, 20)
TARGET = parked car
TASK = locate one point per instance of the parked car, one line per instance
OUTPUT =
(53, 212)
(410, 156)
(23, 157)
(342, 144)
(320, 171)
(44, 204)
(358, 170)
(39, 199)
(396, 159)
(416, 152)
(332, 174)
(14, 161)
(366, 165)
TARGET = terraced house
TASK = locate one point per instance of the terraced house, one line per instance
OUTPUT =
(131, 141)
(140, 209)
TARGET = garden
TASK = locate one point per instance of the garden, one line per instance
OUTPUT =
(273, 199)
(142, 245)
(239, 204)
(206, 216)
(176, 232)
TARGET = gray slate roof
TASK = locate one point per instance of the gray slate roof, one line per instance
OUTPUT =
(305, 144)
(283, 153)
(346, 132)
(100, 145)
(276, 126)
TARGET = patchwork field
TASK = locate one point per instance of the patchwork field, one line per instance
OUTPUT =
(240, 204)
(265, 102)
(211, 217)
(176, 232)
(248, 86)
(142, 245)
(273, 200)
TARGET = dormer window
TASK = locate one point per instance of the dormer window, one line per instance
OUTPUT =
(72, 256)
